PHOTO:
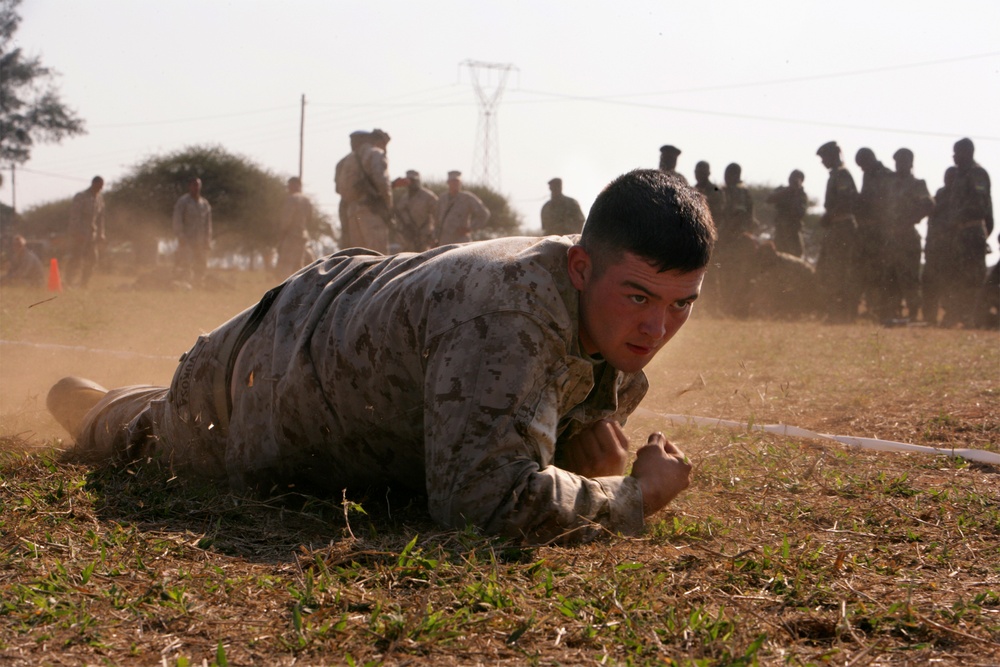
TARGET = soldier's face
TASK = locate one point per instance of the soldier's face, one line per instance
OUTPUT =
(630, 310)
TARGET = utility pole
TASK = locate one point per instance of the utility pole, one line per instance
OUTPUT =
(488, 80)
(302, 133)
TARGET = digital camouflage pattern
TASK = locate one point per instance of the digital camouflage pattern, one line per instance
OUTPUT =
(456, 372)
(562, 215)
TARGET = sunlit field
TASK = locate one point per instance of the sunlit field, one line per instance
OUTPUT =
(784, 551)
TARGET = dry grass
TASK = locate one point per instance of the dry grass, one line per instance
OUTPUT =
(782, 552)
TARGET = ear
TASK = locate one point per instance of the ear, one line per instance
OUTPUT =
(580, 266)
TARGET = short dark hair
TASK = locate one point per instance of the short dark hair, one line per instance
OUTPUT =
(652, 215)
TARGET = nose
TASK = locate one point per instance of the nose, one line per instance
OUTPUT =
(654, 323)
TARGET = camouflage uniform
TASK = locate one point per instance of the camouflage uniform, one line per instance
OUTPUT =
(416, 216)
(790, 206)
(86, 230)
(193, 228)
(296, 215)
(368, 214)
(459, 215)
(836, 267)
(873, 211)
(972, 210)
(911, 202)
(562, 215)
(457, 373)
(24, 269)
(714, 197)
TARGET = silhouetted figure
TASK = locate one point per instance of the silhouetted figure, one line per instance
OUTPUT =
(561, 214)
(911, 203)
(972, 208)
(836, 268)
(668, 161)
(940, 252)
(86, 233)
(790, 206)
(873, 212)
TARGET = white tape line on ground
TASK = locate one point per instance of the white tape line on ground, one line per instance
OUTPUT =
(93, 350)
(978, 455)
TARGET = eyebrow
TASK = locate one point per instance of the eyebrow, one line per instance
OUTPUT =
(641, 288)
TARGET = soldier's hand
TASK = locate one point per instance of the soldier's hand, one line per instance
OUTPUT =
(663, 472)
(600, 450)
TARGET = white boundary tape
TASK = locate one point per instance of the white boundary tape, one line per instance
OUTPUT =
(977, 455)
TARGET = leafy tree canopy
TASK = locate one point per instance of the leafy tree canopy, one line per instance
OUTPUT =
(30, 108)
(246, 199)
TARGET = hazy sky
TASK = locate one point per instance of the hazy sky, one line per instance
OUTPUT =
(595, 87)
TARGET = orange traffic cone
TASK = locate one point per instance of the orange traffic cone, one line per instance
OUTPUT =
(55, 283)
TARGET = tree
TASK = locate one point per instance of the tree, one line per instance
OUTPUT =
(246, 199)
(30, 108)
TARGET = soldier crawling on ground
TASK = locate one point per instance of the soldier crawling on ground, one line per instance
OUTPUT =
(492, 376)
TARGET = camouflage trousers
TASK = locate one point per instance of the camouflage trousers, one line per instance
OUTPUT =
(366, 229)
(183, 425)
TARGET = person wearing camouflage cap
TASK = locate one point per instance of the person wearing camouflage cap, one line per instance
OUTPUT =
(416, 214)
(494, 376)
(911, 202)
(561, 214)
(459, 212)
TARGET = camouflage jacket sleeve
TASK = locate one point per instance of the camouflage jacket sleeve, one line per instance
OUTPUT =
(491, 423)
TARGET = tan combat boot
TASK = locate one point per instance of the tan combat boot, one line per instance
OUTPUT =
(70, 400)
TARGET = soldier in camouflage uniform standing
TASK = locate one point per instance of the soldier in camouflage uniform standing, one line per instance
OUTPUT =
(459, 212)
(836, 268)
(873, 211)
(193, 228)
(86, 232)
(346, 181)
(940, 253)
(416, 214)
(293, 230)
(493, 377)
(972, 211)
(790, 206)
(711, 292)
(561, 214)
(369, 208)
(736, 250)
(911, 203)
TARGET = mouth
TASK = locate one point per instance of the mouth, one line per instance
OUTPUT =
(638, 349)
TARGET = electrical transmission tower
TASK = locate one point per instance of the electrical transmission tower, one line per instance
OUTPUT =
(488, 80)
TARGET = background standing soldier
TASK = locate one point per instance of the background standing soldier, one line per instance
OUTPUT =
(370, 215)
(972, 207)
(193, 228)
(873, 212)
(416, 214)
(459, 212)
(736, 246)
(712, 193)
(293, 232)
(940, 264)
(86, 232)
(911, 203)
(561, 214)
(345, 181)
(790, 206)
(836, 266)
(22, 266)
(668, 161)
